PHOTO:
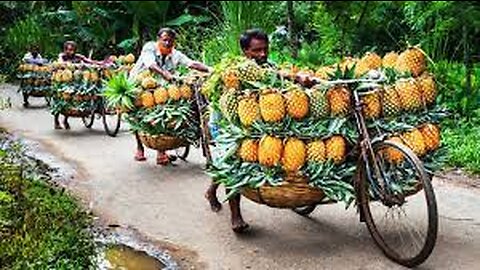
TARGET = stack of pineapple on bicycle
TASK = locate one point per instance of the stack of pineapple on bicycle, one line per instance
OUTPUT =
(162, 113)
(35, 81)
(288, 146)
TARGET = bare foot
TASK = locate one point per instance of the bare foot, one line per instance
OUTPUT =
(215, 205)
(239, 226)
(140, 156)
(66, 125)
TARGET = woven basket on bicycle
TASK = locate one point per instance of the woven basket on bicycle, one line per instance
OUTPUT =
(293, 192)
(161, 142)
(77, 113)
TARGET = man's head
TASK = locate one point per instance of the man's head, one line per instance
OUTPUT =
(69, 48)
(166, 40)
(254, 44)
(34, 50)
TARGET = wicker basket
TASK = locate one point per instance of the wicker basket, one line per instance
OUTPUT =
(161, 142)
(293, 192)
(38, 93)
(77, 113)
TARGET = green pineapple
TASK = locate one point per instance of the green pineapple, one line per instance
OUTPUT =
(228, 103)
(318, 103)
(250, 71)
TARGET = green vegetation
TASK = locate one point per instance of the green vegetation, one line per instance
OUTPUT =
(40, 227)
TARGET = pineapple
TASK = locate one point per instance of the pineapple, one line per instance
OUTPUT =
(372, 60)
(186, 91)
(324, 72)
(316, 151)
(94, 76)
(409, 93)
(414, 139)
(250, 71)
(294, 154)
(86, 75)
(77, 75)
(160, 95)
(318, 103)
(336, 149)
(248, 150)
(297, 103)
(129, 59)
(248, 110)
(148, 83)
(148, 100)
(67, 75)
(348, 63)
(411, 60)
(393, 155)
(228, 103)
(270, 151)
(361, 68)
(389, 60)
(174, 93)
(372, 105)
(431, 135)
(339, 100)
(272, 106)
(391, 102)
(230, 79)
(427, 88)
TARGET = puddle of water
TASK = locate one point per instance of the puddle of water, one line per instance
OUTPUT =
(120, 257)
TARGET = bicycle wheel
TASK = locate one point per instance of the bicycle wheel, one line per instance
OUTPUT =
(305, 210)
(88, 120)
(111, 121)
(182, 152)
(402, 217)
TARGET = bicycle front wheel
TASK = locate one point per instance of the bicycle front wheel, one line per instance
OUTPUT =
(398, 203)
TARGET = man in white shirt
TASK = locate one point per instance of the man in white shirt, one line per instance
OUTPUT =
(162, 58)
(34, 57)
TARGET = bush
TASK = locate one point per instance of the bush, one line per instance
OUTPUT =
(463, 143)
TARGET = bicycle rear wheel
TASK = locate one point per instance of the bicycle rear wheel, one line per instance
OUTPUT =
(402, 217)
(111, 119)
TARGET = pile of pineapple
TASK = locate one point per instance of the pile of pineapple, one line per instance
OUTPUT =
(161, 108)
(35, 79)
(77, 87)
(122, 63)
(273, 130)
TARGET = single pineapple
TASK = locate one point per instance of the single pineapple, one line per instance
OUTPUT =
(318, 103)
(77, 75)
(272, 106)
(230, 79)
(148, 100)
(248, 150)
(297, 103)
(149, 83)
(324, 72)
(372, 105)
(409, 93)
(414, 139)
(389, 60)
(393, 155)
(431, 135)
(160, 95)
(372, 60)
(336, 149)
(129, 59)
(339, 101)
(186, 91)
(348, 63)
(392, 104)
(316, 151)
(294, 154)
(270, 151)
(86, 75)
(427, 87)
(361, 68)
(248, 110)
(250, 71)
(228, 103)
(411, 60)
(174, 92)
(94, 76)
(67, 75)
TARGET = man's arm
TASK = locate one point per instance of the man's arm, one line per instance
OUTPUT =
(186, 61)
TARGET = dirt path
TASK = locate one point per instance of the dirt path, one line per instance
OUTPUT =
(167, 205)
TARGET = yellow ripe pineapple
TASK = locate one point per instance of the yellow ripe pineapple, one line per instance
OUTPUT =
(186, 91)
(149, 83)
(372, 60)
(428, 88)
(431, 135)
(67, 75)
(372, 105)
(336, 149)
(361, 68)
(294, 154)
(393, 155)
(270, 151)
(389, 60)
(174, 92)
(392, 104)
(409, 94)
(148, 100)
(230, 79)
(129, 59)
(94, 76)
(316, 151)
(248, 150)
(414, 139)
(160, 95)
(411, 60)
(339, 100)
(297, 103)
(272, 106)
(323, 72)
(248, 110)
